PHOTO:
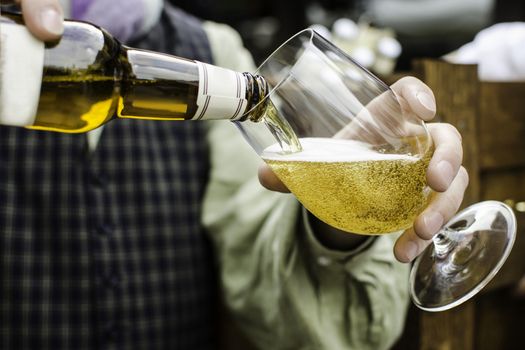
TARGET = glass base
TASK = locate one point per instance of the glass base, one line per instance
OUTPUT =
(464, 256)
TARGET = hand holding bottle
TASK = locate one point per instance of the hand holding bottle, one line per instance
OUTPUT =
(44, 18)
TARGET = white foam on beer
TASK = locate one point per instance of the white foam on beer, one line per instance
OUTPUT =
(331, 150)
(22, 67)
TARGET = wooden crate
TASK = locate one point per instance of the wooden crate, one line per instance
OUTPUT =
(491, 119)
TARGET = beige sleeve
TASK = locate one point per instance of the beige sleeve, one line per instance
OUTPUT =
(285, 290)
(227, 48)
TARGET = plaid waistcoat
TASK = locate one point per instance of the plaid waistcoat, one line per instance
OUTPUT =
(105, 250)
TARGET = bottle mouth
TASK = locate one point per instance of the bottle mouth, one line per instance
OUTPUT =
(257, 97)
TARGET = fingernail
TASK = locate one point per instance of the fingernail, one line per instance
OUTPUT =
(447, 173)
(433, 222)
(410, 250)
(52, 20)
(426, 100)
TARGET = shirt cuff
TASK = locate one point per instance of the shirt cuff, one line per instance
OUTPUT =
(322, 252)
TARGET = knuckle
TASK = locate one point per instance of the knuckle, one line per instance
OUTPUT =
(453, 130)
(450, 203)
(451, 152)
(421, 232)
(449, 127)
(446, 128)
(423, 244)
(412, 80)
(464, 177)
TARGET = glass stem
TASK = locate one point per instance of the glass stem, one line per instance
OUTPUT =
(444, 245)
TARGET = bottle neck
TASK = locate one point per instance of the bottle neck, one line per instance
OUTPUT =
(159, 86)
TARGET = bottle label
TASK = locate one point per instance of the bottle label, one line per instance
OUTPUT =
(21, 69)
(222, 93)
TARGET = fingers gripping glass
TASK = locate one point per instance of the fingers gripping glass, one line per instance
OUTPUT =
(344, 145)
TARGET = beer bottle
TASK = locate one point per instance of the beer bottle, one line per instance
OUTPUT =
(89, 78)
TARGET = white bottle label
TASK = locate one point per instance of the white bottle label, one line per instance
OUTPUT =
(221, 93)
(21, 69)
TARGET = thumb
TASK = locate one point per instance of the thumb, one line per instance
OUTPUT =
(417, 95)
(269, 180)
(44, 18)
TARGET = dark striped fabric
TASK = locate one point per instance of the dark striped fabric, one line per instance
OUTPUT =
(104, 250)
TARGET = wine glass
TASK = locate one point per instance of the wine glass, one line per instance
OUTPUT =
(339, 139)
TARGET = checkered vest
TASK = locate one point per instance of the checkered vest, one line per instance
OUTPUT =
(105, 250)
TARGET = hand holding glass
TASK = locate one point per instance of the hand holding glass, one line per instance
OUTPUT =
(340, 140)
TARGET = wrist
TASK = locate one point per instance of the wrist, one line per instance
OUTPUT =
(333, 238)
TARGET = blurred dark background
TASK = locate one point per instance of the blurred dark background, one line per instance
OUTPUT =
(265, 24)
